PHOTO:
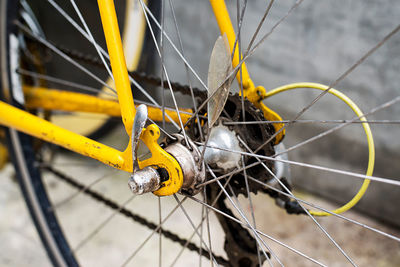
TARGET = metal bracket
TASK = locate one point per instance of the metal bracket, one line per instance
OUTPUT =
(255, 95)
(160, 159)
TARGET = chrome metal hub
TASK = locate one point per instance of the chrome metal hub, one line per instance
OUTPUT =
(223, 140)
(188, 157)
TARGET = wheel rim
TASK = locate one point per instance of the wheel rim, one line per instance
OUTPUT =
(78, 246)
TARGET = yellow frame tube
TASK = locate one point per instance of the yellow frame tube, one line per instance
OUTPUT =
(52, 99)
(159, 156)
(25, 122)
(117, 60)
(252, 93)
(225, 25)
(40, 128)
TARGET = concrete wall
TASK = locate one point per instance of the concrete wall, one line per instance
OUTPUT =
(317, 43)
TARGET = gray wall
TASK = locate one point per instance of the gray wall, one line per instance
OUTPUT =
(317, 43)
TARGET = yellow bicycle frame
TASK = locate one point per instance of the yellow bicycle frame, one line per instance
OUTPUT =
(37, 97)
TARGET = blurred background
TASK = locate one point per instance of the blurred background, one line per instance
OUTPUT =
(317, 43)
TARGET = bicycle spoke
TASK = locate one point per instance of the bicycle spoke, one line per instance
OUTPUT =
(201, 234)
(79, 192)
(166, 74)
(247, 54)
(204, 217)
(62, 54)
(105, 54)
(301, 205)
(101, 225)
(314, 122)
(92, 40)
(63, 82)
(183, 249)
(328, 211)
(186, 68)
(258, 231)
(334, 83)
(251, 206)
(159, 233)
(239, 20)
(152, 233)
(208, 218)
(267, 158)
(372, 111)
(260, 24)
(195, 228)
(148, 11)
(259, 247)
(162, 59)
(256, 236)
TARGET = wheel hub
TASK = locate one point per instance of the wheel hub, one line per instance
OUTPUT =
(221, 141)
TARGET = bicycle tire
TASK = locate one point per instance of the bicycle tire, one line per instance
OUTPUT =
(292, 207)
(21, 148)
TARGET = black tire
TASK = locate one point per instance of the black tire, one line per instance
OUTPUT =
(21, 151)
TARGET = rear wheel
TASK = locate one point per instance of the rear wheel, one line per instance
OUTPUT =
(23, 148)
(100, 222)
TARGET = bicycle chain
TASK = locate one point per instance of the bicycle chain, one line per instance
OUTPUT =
(136, 75)
(135, 217)
(177, 87)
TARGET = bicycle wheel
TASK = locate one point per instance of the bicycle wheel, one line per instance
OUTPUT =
(21, 146)
(228, 221)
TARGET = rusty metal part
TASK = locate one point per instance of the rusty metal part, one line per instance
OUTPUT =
(254, 94)
(150, 178)
(144, 181)
(137, 128)
(172, 181)
(254, 135)
(188, 157)
(239, 245)
(236, 248)
(135, 217)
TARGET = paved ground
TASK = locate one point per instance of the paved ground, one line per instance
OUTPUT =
(338, 32)
(19, 244)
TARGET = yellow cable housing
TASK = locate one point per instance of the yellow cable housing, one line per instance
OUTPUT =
(367, 129)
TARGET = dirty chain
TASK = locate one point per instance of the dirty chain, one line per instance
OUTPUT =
(245, 244)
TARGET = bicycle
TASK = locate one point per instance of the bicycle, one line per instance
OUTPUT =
(195, 160)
